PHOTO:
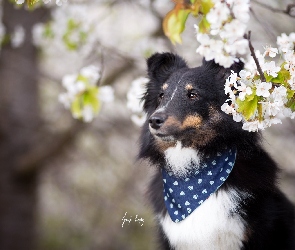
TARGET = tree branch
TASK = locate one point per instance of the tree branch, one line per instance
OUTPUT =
(44, 149)
(266, 26)
(290, 10)
(248, 37)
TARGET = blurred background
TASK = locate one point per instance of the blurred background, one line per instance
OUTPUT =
(70, 185)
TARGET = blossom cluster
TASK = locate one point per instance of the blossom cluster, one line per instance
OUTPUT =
(70, 29)
(257, 103)
(221, 31)
(83, 96)
(16, 38)
(57, 2)
(2, 28)
(134, 103)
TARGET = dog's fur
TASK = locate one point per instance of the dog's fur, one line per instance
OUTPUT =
(185, 123)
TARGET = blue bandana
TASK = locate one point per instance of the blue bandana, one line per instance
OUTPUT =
(183, 195)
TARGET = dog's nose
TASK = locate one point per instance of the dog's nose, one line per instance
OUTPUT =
(157, 120)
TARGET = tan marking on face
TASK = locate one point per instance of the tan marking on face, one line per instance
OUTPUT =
(189, 87)
(171, 121)
(192, 121)
(165, 86)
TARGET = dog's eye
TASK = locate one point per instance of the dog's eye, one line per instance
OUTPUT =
(192, 95)
(161, 96)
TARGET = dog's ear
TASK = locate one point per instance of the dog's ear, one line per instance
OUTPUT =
(223, 72)
(159, 67)
(162, 65)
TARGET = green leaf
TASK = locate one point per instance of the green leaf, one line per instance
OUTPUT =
(268, 78)
(251, 97)
(72, 27)
(206, 6)
(204, 25)
(90, 98)
(5, 40)
(174, 24)
(291, 104)
(282, 77)
(76, 107)
(81, 78)
(248, 107)
(48, 32)
(290, 93)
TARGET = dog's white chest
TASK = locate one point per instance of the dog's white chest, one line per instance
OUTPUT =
(212, 226)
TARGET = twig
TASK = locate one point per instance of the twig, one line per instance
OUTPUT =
(262, 77)
(290, 10)
(267, 29)
(50, 147)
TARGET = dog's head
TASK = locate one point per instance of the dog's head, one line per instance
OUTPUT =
(183, 104)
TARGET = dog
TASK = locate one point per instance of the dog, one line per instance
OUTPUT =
(215, 187)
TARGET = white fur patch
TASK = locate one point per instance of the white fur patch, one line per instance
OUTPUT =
(181, 160)
(211, 226)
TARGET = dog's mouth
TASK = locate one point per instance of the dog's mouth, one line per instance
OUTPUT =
(165, 137)
(160, 135)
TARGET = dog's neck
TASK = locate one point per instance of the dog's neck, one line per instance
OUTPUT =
(188, 187)
(181, 160)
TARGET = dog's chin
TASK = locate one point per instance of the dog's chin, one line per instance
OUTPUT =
(164, 137)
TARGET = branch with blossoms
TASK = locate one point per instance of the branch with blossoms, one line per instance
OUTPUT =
(263, 92)
(31, 4)
(83, 97)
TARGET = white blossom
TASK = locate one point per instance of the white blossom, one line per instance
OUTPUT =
(286, 43)
(268, 122)
(233, 30)
(253, 126)
(273, 99)
(69, 83)
(230, 109)
(270, 68)
(60, 2)
(134, 103)
(237, 47)
(270, 51)
(2, 30)
(241, 10)
(91, 73)
(280, 94)
(106, 94)
(244, 74)
(87, 113)
(263, 89)
(83, 96)
(244, 90)
(228, 23)
(287, 112)
(71, 30)
(18, 36)
(218, 14)
(135, 94)
(65, 99)
(138, 119)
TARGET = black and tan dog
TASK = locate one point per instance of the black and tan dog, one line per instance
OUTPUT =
(215, 187)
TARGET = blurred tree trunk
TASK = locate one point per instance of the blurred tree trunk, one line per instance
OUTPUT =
(19, 123)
